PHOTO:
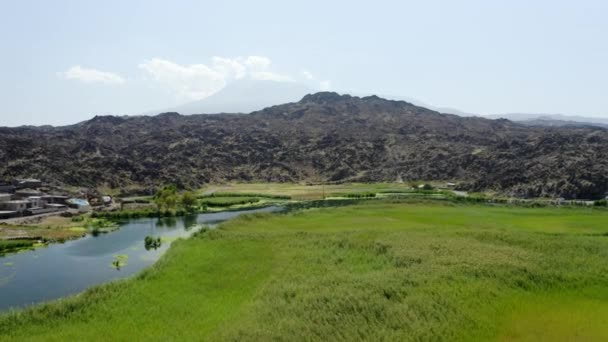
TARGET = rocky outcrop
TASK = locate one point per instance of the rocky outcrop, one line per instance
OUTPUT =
(323, 137)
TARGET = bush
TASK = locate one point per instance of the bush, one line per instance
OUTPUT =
(152, 242)
(78, 218)
(225, 202)
(601, 203)
(361, 195)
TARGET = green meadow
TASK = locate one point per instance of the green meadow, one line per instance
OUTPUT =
(378, 270)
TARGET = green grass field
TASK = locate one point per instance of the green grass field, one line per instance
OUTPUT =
(380, 270)
(302, 191)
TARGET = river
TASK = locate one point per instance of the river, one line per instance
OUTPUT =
(60, 270)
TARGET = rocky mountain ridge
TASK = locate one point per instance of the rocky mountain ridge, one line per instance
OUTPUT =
(325, 137)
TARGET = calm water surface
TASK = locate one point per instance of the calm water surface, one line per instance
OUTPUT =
(63, 269)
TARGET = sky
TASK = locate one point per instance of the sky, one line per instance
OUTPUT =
(62, 62)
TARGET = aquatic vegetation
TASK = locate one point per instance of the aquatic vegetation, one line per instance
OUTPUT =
(151, 242)
(101, 226)
(9, 246)
(119, 261)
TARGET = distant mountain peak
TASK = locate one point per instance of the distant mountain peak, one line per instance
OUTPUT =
(245, 96)
(110, 119)
(323, 97)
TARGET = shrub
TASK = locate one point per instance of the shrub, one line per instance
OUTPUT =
(427, 187)
(152, 242)
(601, 203)
(78, 218)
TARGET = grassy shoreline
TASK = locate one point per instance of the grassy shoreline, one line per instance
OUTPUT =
(234, 197)
(375, 270)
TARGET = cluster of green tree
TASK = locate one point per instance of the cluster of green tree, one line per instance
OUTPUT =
(168, 203)
(167, 199)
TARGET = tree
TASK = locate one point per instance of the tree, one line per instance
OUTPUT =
(427, 186)
(188, 200)
(166, 198)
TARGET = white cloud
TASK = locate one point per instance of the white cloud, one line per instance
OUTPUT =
(307, 75)
(197, 81)
(194, 81)
(257, 62)
(91, 75)
(321, 84)
(230, 67)
(269, 76)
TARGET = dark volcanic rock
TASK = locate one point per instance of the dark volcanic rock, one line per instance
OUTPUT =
(323, 137)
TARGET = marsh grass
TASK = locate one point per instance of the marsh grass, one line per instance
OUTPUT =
(8, 246)
(379, 270)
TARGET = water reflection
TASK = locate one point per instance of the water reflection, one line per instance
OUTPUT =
(63, 269)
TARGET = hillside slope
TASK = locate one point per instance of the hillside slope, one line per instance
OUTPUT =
(323, 137)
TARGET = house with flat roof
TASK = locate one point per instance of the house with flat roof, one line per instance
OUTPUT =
(4, 214)
(23, 183)
(54, 199)
(7, 188)
(25, 193)
(16, 205)
(35, 202)
(5, 197)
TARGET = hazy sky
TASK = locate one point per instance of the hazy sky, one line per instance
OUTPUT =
(64, 61)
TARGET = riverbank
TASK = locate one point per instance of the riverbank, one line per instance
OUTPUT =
(378, 270)
(68, 268)
(243, 196)
(50, 229)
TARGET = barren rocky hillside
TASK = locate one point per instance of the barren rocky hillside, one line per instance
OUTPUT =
(323, 137)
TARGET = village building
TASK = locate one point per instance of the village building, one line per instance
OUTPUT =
(54, 199)
(49, 208)
(5, 197)
(6, 188)
(4, 214)
(25, 193)
(35, 202)
(23, 183)
(18, 206)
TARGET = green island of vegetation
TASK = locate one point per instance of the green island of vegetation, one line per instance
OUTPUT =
(383, 269)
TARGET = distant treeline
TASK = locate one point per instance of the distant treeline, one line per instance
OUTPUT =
(356, 195)
(228, 203)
